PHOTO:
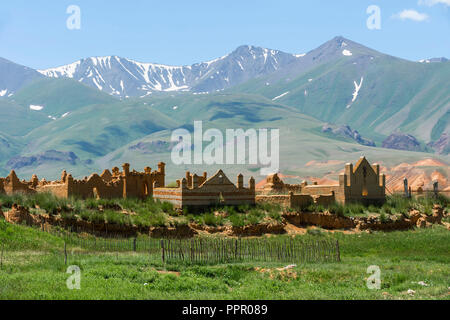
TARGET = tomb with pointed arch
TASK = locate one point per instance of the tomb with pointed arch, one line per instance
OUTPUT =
(362, 183)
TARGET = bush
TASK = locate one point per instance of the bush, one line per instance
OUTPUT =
(237, 220)
(275, 215)
(336, 209)
(167, 207)
(314, 232)
(210, 219)
(158, 219)
(113, 217)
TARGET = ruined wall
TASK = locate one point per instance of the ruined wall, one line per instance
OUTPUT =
(300, 200)
(94, 187)
(196, 191)
(282, 200)
(108, 185)
(60, 190)
(172, 195)
(274, 185)
(11, 185)
(325, 200)
(291, 200)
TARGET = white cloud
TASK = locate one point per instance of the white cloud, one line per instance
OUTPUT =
(410, 14)
(431, 3)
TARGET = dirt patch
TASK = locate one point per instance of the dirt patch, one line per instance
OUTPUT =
(324, 220)
(294, 230)
(183, 231)
(283, 274)
(259, 229)
(169, 272)
(245, 231)
(358, 224)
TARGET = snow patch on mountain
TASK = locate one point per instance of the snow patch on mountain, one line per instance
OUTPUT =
(36, 107)
(67, 71)
(347, 53)
(356, 92)
(281, 96)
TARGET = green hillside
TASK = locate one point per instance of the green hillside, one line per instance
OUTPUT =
(59, 96)
(395, 95)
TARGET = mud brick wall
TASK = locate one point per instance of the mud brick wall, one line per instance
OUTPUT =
(282, 200)
(172, 195)
(325, 200)
(301, 200)
(198, 191)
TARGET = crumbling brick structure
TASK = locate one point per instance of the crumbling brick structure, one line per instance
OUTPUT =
(118, 184)
(198, 191)
(11, 184)
(362, 183)
(275, 185)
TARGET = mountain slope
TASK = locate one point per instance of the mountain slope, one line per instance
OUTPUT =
(14, 76)
(374, 93)
(59, 97)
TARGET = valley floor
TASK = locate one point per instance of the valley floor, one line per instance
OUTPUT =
(414, 264)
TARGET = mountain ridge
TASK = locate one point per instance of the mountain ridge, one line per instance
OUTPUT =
(124, 77)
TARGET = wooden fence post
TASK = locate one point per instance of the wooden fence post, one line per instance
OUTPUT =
(65, 253)
(162, 251)
(338, 253)
(1, 257)
(134, 244)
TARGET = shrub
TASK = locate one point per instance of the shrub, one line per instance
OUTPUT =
(315, 231)
(158, 219)
(210, 219)
(237, 220)
(230, 210)
(337, 209)
(243, 208)
(167, 207)
(113, 217)
(275, 215)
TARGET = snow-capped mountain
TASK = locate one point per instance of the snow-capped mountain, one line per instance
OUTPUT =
(123, 77)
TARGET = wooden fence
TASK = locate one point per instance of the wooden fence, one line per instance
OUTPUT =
(149, 245)
(212, 250)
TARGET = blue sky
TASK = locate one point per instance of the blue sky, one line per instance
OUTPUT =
(34, 33)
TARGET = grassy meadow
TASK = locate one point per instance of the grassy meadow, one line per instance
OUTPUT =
(33, 267)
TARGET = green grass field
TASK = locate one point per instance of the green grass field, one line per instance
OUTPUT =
(33, 268)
